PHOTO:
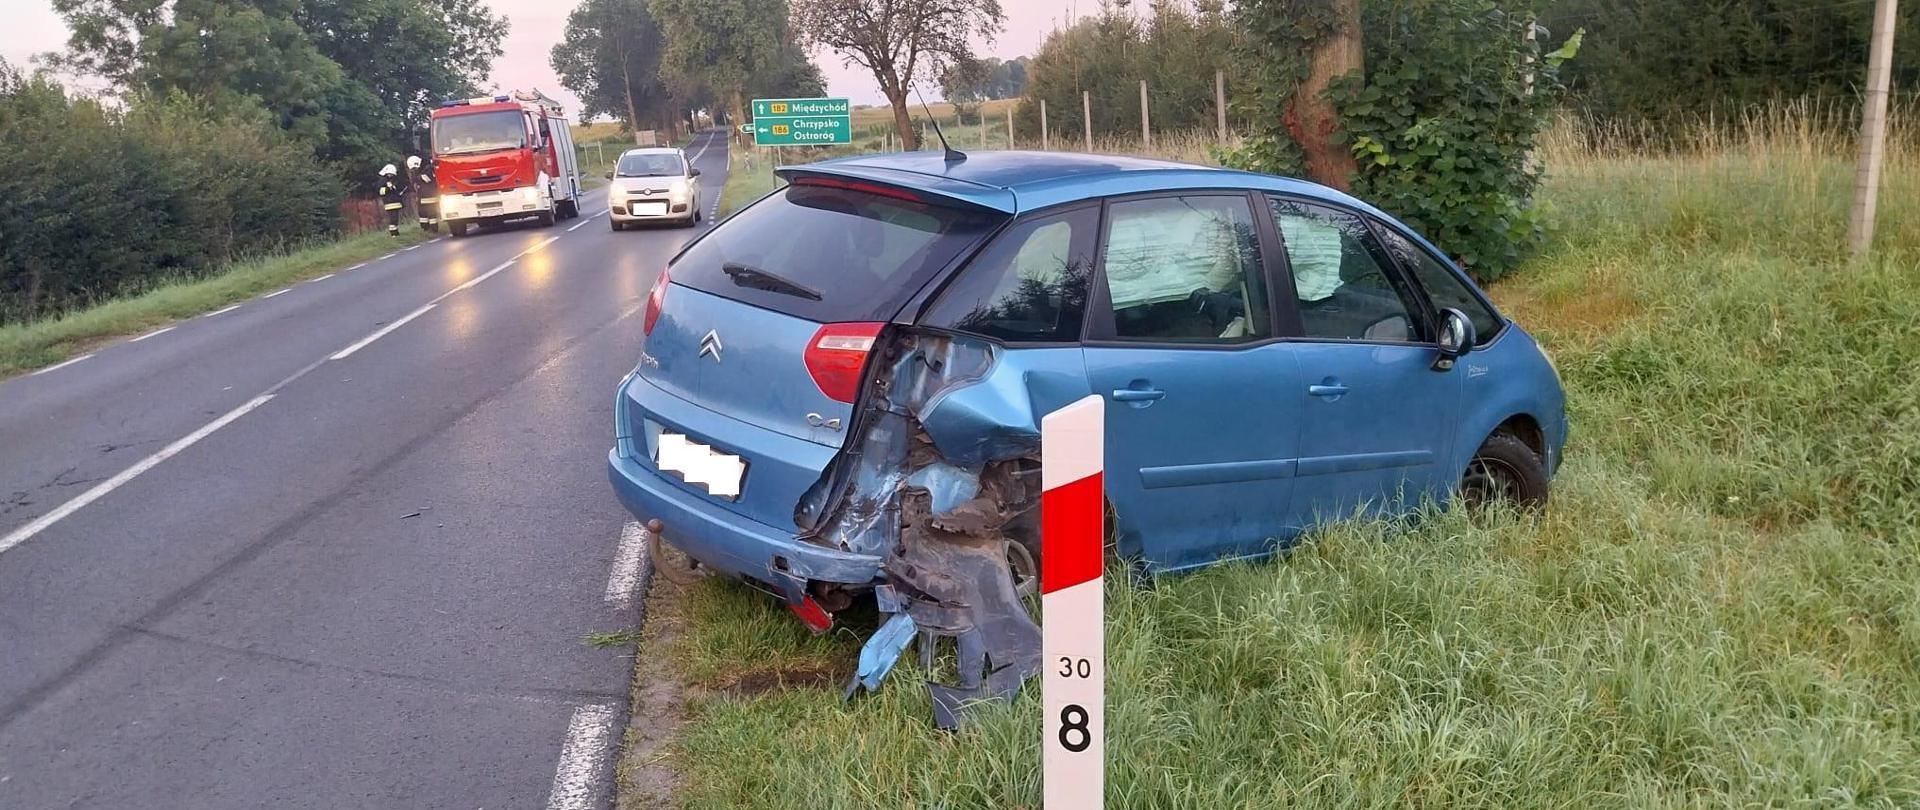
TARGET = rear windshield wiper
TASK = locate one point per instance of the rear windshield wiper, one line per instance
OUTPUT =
(758, 279)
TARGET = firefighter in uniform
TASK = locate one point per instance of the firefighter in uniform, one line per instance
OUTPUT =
(393, 197)
(426, 195)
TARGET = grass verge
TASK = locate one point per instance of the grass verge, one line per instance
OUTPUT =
(24, 347)
(1721, 608)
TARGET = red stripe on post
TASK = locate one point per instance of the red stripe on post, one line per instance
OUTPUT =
(1072, 533)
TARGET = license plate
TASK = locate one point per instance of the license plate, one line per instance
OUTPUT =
(649, 209)
(721, 473)
(490, 205)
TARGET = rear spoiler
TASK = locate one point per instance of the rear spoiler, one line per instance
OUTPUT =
(913, 185)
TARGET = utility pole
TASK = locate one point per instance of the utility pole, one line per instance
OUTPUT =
(1220, 101)
(1146, 131)
(1873, 130)
(1086, 116)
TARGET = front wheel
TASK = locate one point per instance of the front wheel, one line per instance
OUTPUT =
(1505, 470)
(546, 219)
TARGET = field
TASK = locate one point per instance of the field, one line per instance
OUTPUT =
(1720, 608)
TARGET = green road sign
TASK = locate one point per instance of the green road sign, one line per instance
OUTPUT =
(800, 122)
(747, 128)
(783, 107)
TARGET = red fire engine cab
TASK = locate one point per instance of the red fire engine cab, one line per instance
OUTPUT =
(497, 158)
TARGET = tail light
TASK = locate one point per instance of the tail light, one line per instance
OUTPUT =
(836, 356)
(655, 300)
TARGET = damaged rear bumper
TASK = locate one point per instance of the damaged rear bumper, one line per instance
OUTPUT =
(729, 543)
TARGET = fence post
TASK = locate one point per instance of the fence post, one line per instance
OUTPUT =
(1873, 130)
(1045, 139)
(1146, 132)
(1086, 116)
(1220, 101)
(1010, 125)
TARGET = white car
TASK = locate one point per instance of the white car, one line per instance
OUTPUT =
(653, 184)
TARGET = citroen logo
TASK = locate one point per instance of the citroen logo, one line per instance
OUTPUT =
(710, 345)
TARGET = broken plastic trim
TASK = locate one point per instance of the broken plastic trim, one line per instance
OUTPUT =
(948, 519)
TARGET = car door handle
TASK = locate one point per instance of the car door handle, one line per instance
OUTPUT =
(1138, 394)
(1327, 390)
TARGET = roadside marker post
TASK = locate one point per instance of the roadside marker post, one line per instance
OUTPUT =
(1073, 606)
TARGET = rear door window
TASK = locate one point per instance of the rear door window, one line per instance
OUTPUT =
(1029, 286)
(831, 254)
(1185, 269)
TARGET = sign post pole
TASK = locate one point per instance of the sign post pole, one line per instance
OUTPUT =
(1073, 606)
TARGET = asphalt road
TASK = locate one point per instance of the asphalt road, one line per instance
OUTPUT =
(258, 561)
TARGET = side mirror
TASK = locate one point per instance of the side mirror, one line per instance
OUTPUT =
(609, 175)
(693, 172)
(1457, 337)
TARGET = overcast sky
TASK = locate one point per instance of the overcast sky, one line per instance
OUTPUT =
(34, 28)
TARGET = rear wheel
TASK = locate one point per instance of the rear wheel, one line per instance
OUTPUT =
(546, 219)
(457, 228)
(569, 209)
(1505, 470)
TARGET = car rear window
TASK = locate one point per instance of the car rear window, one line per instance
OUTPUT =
(830, 254)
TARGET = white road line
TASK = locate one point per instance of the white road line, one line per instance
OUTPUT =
(703, 150)
(385, 330)
(272, 294)
(379, 333)
(388, 256)
(221, 311)
(628, 563)
(322, 278)
(475, 280)
(61, 365)
(355, 267)
(582, 758)
(582, 224)
(156, 332)
(411, 247)
(20, 535)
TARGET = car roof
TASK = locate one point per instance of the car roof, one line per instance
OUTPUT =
(652, 150)
(1017, 181)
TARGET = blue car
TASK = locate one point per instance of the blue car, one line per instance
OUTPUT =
(841, 386)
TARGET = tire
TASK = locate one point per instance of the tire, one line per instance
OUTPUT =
(616, 224)
(1505, 469)
(697, 216)
(569, 209)
(458, 229)
(546, 219)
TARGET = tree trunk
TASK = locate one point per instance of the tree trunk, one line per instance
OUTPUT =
(737, 113)
(902, 122)
(633, 113)
(1310, 117)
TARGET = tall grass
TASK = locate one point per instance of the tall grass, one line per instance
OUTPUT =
(1721, 607)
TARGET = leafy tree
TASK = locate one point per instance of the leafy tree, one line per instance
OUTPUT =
(983, 79)
(730, 47)
(900, 41)
(1437, 114)
(352, 77)
(1177, 49)
(610, 56)
(1662, 62)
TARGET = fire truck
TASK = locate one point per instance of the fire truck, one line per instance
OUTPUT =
(498, 158)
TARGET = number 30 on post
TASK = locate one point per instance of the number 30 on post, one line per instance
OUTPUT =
(1072, 606)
